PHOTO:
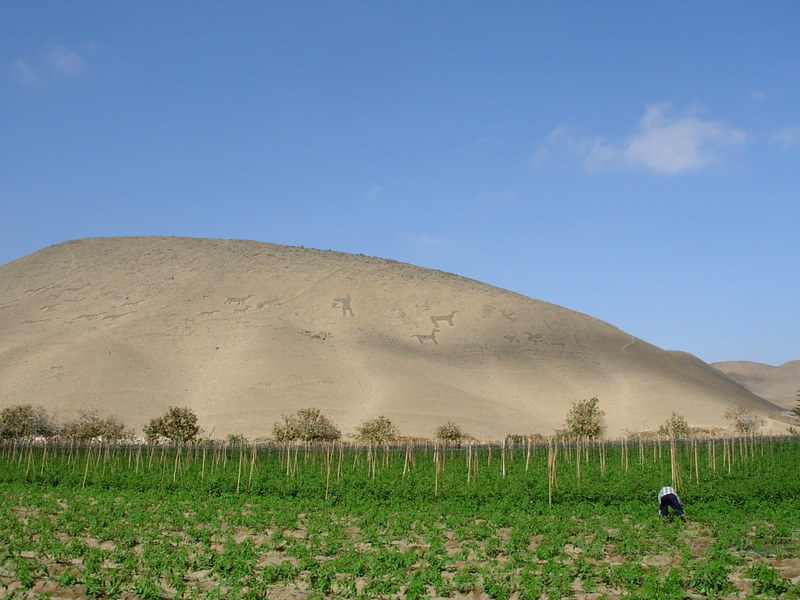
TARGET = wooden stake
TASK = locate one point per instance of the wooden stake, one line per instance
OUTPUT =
(239, 475)
(603, 458)
(642, 458)
(328, 460)
(86, 470)
(673, 457)
(527, 453)
(340, 465)
(436, 471)
(552, 475)
(469, 462)
(252, 466)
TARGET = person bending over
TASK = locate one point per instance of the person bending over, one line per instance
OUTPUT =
(668, 498)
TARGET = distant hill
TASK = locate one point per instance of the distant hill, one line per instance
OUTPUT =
(243, 332)
(776, 384)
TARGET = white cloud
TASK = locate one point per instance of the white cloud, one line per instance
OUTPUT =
(661, 143)
(673, 144)
(788, 136)
(25, 74)
(565, 138)
(65, 62)
(57, 61)
(541, 156)
(374, 193)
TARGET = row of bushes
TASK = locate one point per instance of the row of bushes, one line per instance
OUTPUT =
(179, 425)
(585, 419)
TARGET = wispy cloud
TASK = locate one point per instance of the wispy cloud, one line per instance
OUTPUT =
(23, 73)
(374, 193)
(661, 143)
(64, 61)
(788, 136)
(57, 61)
(563, 138)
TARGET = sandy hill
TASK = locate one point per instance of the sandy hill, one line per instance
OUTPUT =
(243, 332)
(780, 385)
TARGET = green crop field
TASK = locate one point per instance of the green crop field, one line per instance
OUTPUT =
(563, 520)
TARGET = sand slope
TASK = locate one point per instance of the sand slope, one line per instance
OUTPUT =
(778, 384)
(243, 332)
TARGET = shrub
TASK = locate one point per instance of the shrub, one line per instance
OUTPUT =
(676, 427)
(767, 580)
(449, 432)
(743, 419)
(177, 425)
(92, 425)
(585, 419)
(237, 439)
(711, 579)
(376, 430)
(24, 421)
(308, 424)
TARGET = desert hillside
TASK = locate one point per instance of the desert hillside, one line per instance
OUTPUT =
(243, 332)
(777, 384)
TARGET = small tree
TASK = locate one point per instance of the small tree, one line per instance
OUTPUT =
(178, 425)
(796, 409)
(743, 419)
(450, 432)
(237, 439)
(309, 424)
(24, 421)
(92, 425)
(676, 427)
(376, 430)
(585, 419)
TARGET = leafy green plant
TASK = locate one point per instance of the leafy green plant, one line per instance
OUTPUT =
(498, 585)
(711, 579)
(767, 580)
(465, 580)
(530, 583)
(628, 576)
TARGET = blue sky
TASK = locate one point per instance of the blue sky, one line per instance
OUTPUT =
(636, 161)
